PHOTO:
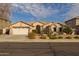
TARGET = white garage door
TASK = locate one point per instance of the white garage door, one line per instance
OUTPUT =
(20, 31)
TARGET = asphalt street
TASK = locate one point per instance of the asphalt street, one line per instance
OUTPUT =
(39, 48)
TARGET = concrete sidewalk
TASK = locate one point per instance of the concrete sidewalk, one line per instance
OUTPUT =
(22, 38)
(38, 40)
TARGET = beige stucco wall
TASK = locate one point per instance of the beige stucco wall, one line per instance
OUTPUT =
(58, 26)
(4, 31)
(77, 21)
(53, 25)
(35, 24)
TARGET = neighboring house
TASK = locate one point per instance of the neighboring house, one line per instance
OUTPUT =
(74, 24)
(3, 23)
(19, 28)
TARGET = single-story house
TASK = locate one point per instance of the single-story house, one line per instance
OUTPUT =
(4, 23)
(23, 28)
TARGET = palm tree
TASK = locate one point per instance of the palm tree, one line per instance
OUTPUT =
(67, 30)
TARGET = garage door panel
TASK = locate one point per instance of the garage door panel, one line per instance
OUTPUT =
(20, 31)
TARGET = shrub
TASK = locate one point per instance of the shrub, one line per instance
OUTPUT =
(43, 37)
(34, 31)
(60, 37)
(68, 37)
(76, 37)
(31, 35)
(52, 37)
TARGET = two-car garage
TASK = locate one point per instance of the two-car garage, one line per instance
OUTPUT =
(19, 28)
(20, 31)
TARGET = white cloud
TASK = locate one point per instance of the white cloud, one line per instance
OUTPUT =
(37, 10)
(74, 11)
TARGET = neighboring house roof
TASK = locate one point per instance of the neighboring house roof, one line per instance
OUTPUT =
(30, 23)
(74, 18)
(7, 20)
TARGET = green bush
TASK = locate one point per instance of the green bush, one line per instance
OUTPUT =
(52, 37)
(68, 37)
(31, 35)
(60, 37)
(76, 37)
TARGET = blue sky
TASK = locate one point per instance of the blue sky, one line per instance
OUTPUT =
(50, 12)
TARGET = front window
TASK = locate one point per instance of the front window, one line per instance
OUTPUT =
(55, 29)
(60, 29)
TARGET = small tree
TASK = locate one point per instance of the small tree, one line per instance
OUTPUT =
(67, 30)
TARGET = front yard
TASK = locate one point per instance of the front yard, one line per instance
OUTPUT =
(23, 38)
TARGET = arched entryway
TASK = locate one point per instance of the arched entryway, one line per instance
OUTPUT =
(7, 31)
(38, 29)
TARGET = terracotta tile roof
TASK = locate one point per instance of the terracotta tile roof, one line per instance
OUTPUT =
(50, 24)
(25, 23)
(30, 23)
(22, 22)
(35, 22)
(44, 23)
